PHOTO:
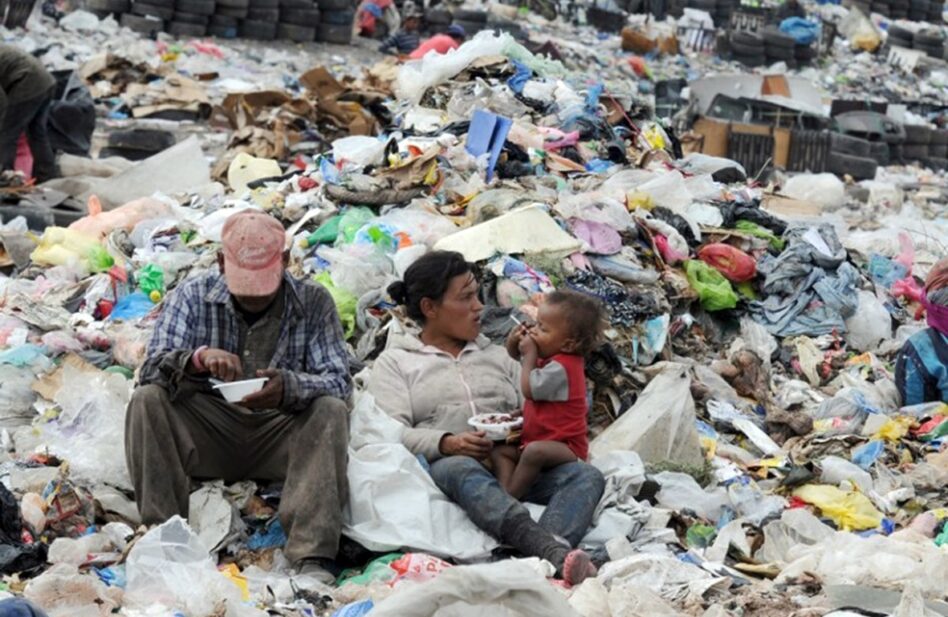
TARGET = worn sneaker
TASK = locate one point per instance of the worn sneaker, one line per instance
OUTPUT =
(317, 569)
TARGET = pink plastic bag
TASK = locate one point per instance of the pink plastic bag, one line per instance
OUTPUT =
(418, 567)
(669, 254)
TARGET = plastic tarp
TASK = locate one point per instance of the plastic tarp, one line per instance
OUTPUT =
(393, 502)
(528, 230)
(661, 424)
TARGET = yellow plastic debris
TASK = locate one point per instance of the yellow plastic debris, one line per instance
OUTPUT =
(639, 200)
(895, 428)
(850, 511)
(232, 573)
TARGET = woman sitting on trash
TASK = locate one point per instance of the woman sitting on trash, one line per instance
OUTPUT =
(435, 381)
(921, 370)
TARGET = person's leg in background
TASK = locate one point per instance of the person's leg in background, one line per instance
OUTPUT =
(16, 119)
(44, 160)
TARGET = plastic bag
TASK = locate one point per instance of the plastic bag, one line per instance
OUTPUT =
(133, 306)
(125, 217)
(60, 247)
(869, 325)
(680, 492)
(357, 268)
(151, 280)
(824, 189)
(803, 31)
(836, 470)
(345, 302)
(170, 567)
(358, 150)
(714, 291)
(351, 222)
(757, 231)
(736, 265)
(850, 511)
(661, 424)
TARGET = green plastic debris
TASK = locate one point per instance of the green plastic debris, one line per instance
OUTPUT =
(714, 291)
(325, 233)
(757, 231)
(700, 536)
(100, 260)
(345, 302)
(377, 571)
(151, 280)
(352, 221)
(125, 372)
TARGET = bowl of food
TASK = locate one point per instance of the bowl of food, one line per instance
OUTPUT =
(235, 391)
(496, 426)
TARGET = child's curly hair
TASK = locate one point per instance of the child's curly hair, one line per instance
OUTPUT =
(587, 317)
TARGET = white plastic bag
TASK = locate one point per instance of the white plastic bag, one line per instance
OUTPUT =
(824, 189)
(358, 150)
(680, 492)
(661, 424)
(837, 470)
(869, 325)
(170, 567)
(393, 502)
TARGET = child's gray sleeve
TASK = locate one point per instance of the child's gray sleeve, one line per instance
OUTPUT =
(549, 383)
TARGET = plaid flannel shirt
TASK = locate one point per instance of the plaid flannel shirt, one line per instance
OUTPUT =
(310, 352)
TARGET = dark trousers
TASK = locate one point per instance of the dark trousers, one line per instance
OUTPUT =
(168, 443)
(29, 116)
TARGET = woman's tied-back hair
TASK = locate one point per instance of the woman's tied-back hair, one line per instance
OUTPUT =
(586, 316)
(428, 277)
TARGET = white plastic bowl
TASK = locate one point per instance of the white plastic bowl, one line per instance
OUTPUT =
(495, 431)
(235, 391)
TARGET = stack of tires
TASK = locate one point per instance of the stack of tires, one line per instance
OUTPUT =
(228, 17)
(191, 17)
(899, 9)
(936, 11)
(805, 54)
(298, 21)
(918, 138)
(260, 19)
(938, 150)
(748, 48)
(930, 41)
(335, 21)
(148, 16)
(105, 8)
(708, 6)
(851, 156)
(472, 21)
(918, 10)
(778, 47)
(900, 37)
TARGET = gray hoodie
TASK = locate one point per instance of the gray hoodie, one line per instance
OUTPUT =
(434, 393)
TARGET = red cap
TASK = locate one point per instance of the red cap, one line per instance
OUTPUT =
(253, 245)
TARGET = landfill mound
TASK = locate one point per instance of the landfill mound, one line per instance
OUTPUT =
(756, 208)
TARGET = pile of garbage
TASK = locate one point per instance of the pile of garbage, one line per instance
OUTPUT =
(748, 372)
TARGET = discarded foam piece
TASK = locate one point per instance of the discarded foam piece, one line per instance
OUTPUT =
(245, 169)
(528, 230)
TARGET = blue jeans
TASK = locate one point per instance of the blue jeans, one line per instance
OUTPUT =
(570, 492)
(16, 607)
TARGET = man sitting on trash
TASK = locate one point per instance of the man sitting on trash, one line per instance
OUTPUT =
(251, 319)
(26, 91)
(407, 39)
(441, 44)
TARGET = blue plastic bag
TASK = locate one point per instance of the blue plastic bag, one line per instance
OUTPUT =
(132, 306)
(803, 32)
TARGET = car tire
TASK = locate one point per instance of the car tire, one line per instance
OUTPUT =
(178, 28)
(234, 4)
(439, 17)
(471, 27)
(915, 152)
(191, 18)
(847, 144)
(900, 32)
(739, 47)
(263, 14)
(108, 6)
(937, 163)
(338, 18)
(331, 33)
(747, 39)
(805, 53)
(939, 137)
(336, 5)
(917, 134)
(297, 34)
(895, 41)
(879, 150)
(857, 167)
(307, 18)
(779, 53)
(929, 38)
(224, 21)
(257, 30)
(775, 38)
(232, 12)
(479, 17)
(222, 32)
(751, 61)
(146, 9)
(938, 151)
(142, 25)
